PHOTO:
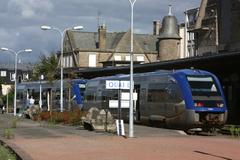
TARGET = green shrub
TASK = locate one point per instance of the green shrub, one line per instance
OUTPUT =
(14, 122)
(232, 130)
(8, 133)
(5, 154)
(235, 131)
(75, 118)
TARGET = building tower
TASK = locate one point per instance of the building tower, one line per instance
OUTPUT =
(169, 39)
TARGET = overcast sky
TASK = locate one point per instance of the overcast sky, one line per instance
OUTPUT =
(20, 20)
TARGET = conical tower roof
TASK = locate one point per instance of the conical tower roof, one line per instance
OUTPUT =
(169, 27)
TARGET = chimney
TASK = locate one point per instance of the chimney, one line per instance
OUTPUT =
(102, 31)
(156, 27)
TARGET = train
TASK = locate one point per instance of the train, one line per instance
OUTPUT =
(73, 93)
(182, 99)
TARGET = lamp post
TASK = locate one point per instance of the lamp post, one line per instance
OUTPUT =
(131, 132)
(40, 92)
(15, 76)
(62, 33)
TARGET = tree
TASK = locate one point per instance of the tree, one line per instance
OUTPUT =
(47, 67)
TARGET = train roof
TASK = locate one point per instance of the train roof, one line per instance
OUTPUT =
(47, 84)
(157, 72)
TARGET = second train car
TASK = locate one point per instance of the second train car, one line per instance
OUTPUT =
(73, 91)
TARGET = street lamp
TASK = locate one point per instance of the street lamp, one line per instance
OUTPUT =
(62, 33)
(40, 92)
(15, 76)
(131, 132)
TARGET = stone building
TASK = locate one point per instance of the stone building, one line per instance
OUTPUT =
(216, 27)
(229, 25)
(7, 74)
(94, 49)
(102, 49)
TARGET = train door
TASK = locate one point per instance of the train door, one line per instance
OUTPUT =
(137, 112)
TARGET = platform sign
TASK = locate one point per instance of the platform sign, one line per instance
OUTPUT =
(115, 84)
(125, 96)
(114, 104)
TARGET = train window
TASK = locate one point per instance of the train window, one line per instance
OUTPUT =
(203, 85)
(157, 95)
(109, 95)
(157, 92)
(175, 93)
(205, 91)
(92, 84)
(90, 96)
(165, 92)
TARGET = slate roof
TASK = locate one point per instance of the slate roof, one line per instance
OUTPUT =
(119, 41)
(24, 67)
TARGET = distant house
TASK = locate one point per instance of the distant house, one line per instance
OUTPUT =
(98, 49)
(7, 74)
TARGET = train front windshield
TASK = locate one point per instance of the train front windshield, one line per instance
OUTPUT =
(205, 91)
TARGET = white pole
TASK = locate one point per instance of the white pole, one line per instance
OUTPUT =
(40, 96)
(15, 87)
(7, 101)
(61, 63)
(131, 130)
(48, 99)
(185, 36)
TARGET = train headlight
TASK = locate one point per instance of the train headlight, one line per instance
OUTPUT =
(220, 105)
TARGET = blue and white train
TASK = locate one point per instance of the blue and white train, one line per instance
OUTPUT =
(73, 91)
(183, 99)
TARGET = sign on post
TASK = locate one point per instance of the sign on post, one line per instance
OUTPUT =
(115, 104)
(115, 84)
(120, 103)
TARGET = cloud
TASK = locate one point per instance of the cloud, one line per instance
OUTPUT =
(21, 19)
(30, 8)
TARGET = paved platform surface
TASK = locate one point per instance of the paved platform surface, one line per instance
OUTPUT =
(42, 142)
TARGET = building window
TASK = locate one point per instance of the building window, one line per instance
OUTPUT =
(117, 58)
(25, 76)
(63, 61)
(140, 58)
(3, 73)
(67, 61)
(127, 58)
(12, 76)
(70, 61)
(92, 60)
